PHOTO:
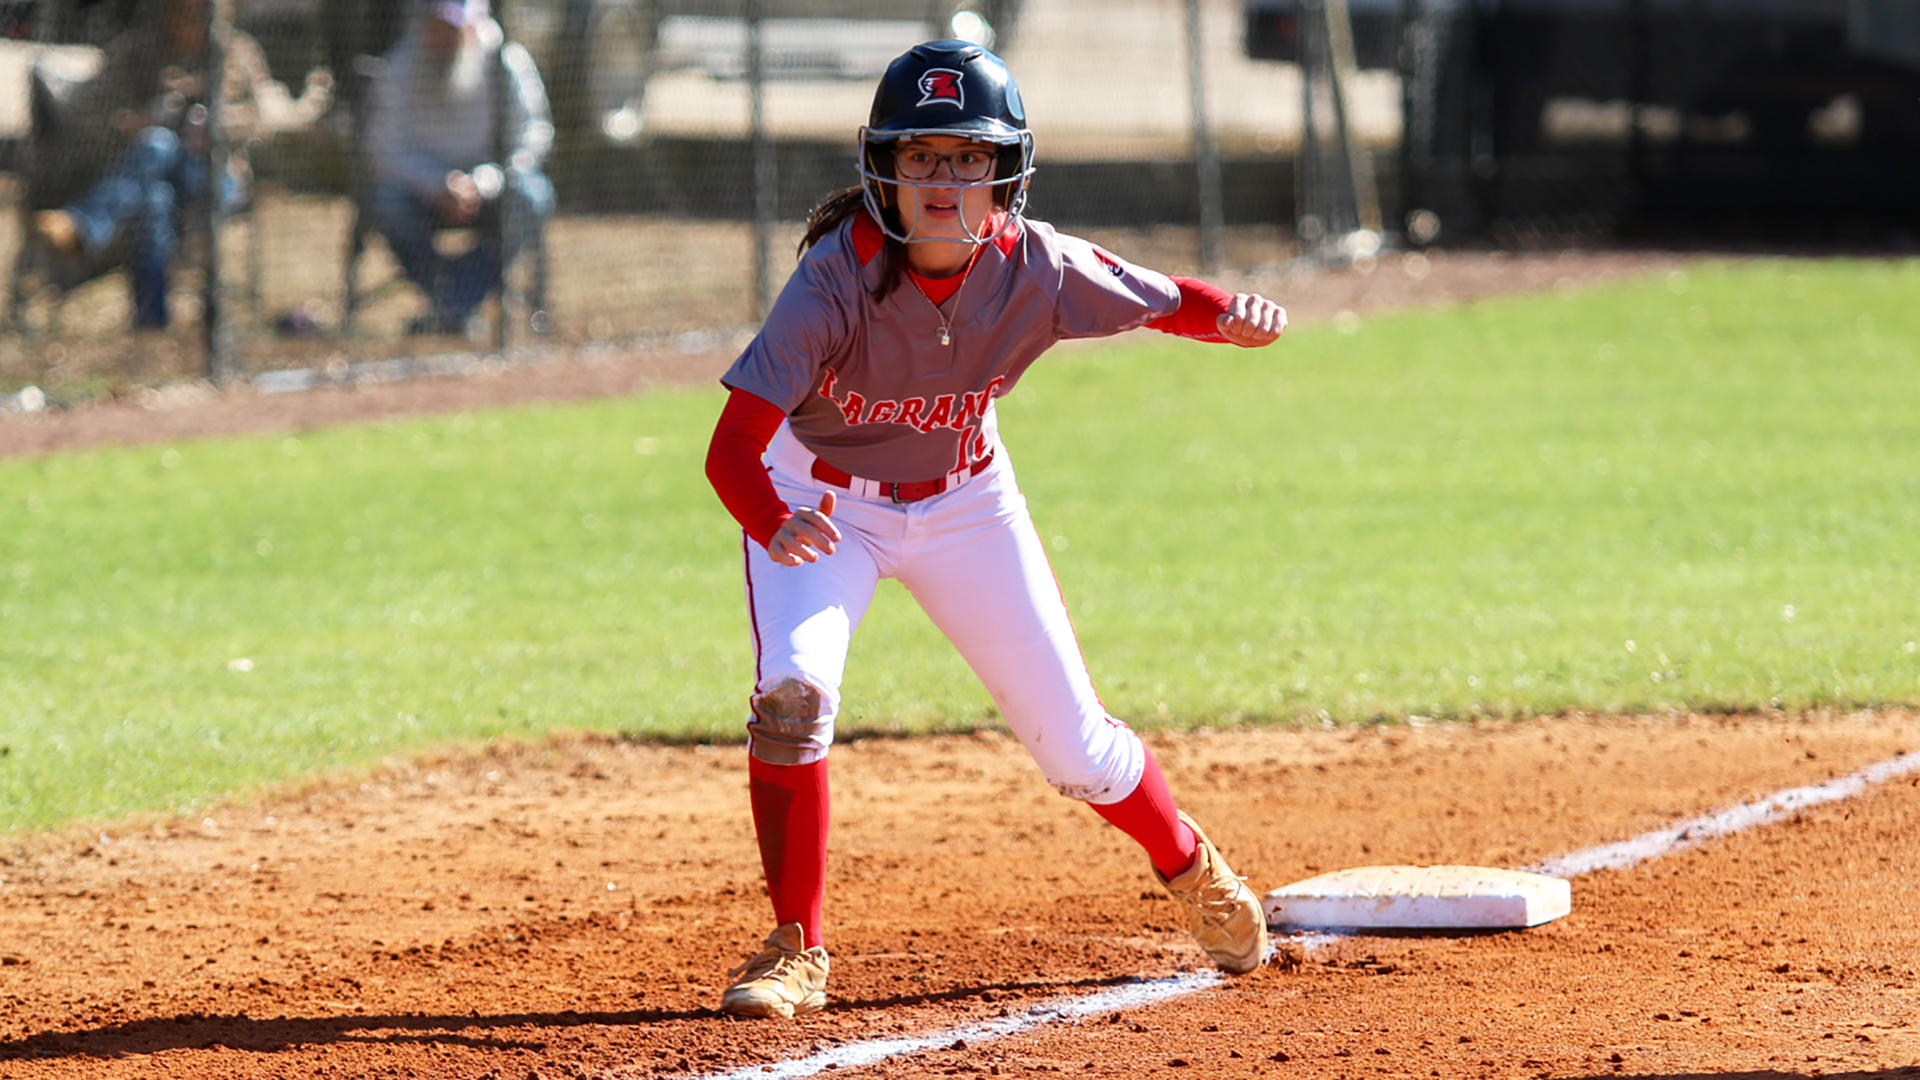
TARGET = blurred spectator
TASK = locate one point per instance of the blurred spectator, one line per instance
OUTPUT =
(137, 132)
(432, 150)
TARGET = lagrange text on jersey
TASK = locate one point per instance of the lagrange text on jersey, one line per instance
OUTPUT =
(959, 412)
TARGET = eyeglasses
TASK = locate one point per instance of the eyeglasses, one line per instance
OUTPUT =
(968, 166)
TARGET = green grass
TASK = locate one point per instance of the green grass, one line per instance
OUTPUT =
(1695, 492)
(1700, 492)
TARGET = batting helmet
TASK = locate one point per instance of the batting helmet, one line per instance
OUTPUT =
(953, 88)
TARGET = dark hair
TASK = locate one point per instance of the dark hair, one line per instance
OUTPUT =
(832, 212)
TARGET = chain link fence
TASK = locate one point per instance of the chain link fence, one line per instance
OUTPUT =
(690, 137)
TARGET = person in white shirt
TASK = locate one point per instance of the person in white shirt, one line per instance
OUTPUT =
(436, 163)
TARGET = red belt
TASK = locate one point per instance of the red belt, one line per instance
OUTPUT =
(899, 491)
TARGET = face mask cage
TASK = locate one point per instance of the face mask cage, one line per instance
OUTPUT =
(1012, 171)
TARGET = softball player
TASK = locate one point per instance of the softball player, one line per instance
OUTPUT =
(859, 442)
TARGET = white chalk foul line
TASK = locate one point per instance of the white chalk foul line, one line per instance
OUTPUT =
(1696, 831)
(1616, 856)
(1131, 996)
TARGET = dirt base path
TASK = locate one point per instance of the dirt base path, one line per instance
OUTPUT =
(571, 911)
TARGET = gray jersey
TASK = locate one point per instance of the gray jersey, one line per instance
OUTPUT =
(868, 386)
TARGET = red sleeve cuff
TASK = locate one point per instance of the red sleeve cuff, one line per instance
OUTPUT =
(734, 468)
(1201, 306)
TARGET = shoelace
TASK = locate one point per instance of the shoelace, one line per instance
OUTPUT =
(767, 962)
(1215, 900)
(758, 965)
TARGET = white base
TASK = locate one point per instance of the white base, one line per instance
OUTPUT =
(1420, 898)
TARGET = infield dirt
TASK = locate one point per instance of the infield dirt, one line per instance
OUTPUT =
(572, 909)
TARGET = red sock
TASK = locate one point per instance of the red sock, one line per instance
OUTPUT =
(790, 820)
(1150, 817)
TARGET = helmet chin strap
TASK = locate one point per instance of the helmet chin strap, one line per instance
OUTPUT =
(876, 204)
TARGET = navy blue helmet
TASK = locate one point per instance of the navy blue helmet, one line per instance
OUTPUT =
(953, 88)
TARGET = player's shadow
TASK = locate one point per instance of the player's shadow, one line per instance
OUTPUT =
(504, 1031)
(202, 1031)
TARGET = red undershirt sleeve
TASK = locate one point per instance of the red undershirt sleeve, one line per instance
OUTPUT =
(746, 426)
(1201, 306)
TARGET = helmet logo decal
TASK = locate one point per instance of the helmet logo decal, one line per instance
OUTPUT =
(941, 86)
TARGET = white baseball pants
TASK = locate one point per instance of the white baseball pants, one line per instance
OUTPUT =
(971, 558)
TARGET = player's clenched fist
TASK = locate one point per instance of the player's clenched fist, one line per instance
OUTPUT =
(1252, 320)
(807, 535)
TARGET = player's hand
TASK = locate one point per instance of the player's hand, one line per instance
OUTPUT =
(459, 202)
(178, 80)
(1252, 320)
(807, 535)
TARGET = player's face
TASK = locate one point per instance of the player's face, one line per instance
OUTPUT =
(930, 210)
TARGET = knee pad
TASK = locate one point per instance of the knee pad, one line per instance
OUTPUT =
(791, 724)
